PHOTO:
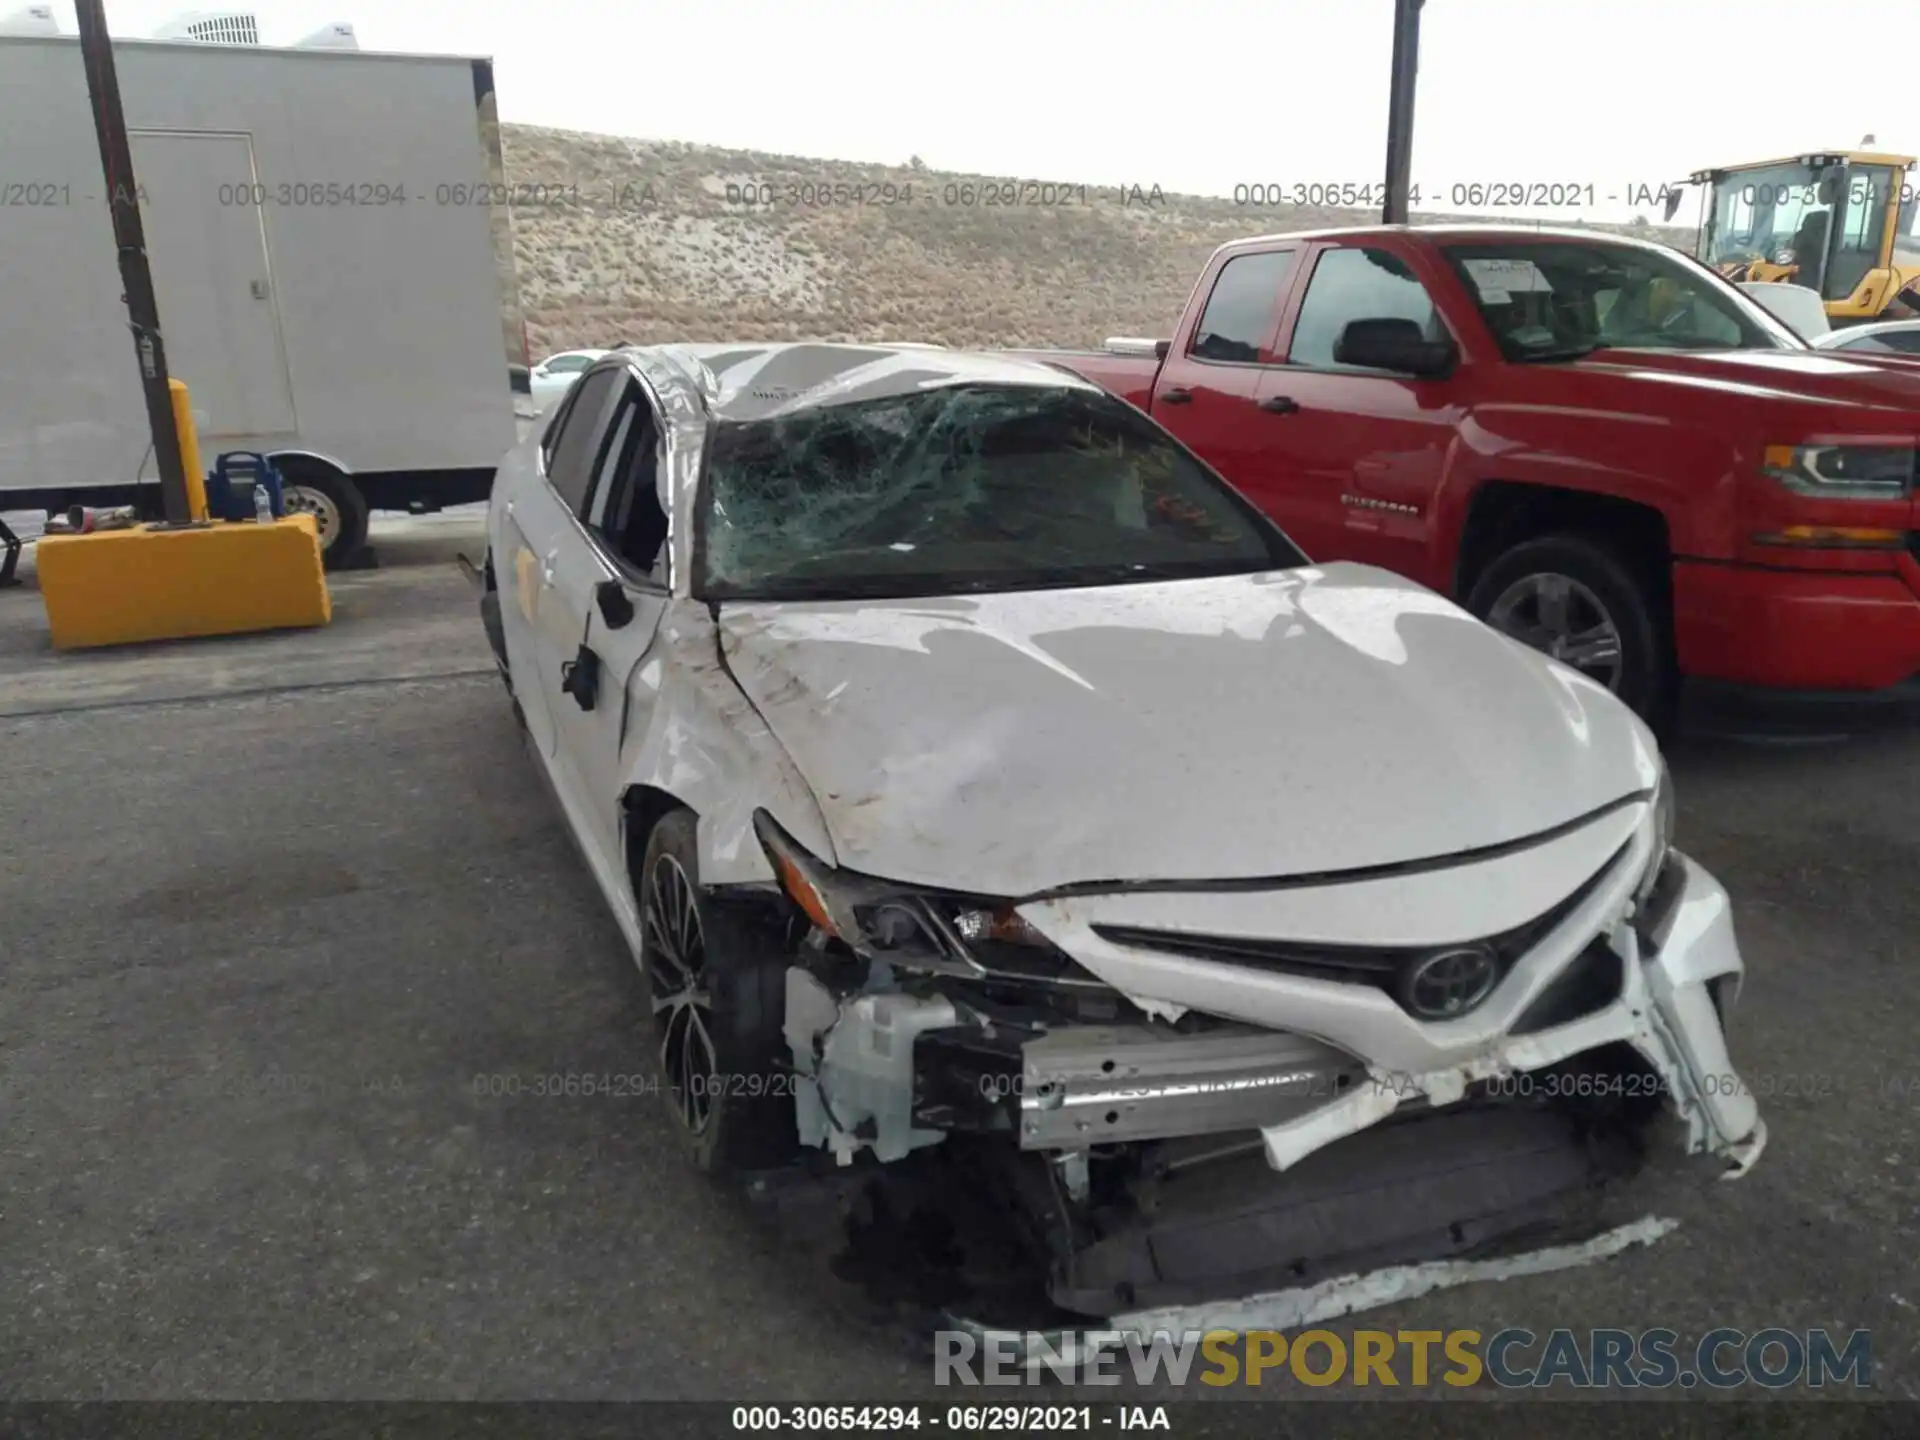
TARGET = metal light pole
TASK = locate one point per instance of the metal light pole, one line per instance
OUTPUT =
(1406, 65)
(123, 201)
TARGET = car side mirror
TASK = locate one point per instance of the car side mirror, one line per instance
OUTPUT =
(1674, 198)
(616, 608)
(1393, 345)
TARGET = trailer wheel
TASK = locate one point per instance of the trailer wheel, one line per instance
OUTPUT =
(335, 503)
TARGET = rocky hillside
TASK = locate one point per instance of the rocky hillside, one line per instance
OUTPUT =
(619, 241)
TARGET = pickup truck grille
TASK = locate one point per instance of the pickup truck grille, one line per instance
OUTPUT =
(1382, 967)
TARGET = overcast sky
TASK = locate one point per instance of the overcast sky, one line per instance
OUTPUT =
(1197, 96)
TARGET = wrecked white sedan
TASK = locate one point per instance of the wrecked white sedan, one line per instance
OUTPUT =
(973, 773)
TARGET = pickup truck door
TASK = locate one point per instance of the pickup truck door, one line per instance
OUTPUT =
(1357, 455)
(1208, 386)
(605, 602)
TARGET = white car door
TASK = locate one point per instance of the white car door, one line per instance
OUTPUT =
(608, 593)
(524, 517)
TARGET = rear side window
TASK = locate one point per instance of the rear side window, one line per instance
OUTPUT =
(570, 457)
(1240, 311)
(1358, 284)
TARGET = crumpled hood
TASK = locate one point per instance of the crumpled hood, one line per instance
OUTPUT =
(1291, 723)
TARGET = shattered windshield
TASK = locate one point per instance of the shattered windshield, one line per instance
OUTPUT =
(965, 488)
(1560, 299)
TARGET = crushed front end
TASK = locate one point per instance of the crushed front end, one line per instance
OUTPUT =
(1189, 1092)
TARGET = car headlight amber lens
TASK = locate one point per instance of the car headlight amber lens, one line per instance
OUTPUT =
(1842, 472)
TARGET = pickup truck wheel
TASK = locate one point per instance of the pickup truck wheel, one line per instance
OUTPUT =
(335, 503)
(1578, 600)
(715, 982)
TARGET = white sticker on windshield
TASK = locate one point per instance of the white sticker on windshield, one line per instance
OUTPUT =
(1498, 279)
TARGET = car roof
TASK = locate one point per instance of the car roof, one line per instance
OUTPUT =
(1878, 327)
(764, 380)
(1461, 232)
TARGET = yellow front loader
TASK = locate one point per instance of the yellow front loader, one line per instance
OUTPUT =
(1840, 222)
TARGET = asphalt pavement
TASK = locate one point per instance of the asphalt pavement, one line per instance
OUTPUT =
(282, 917)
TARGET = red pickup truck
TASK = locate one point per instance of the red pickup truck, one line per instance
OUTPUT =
(1593, 443)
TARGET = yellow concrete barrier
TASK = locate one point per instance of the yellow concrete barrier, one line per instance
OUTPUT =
(117, 587)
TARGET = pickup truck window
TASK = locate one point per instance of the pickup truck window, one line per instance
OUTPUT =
(964, 488)
(1554, 299)
(1240, 311)
(1357, 284)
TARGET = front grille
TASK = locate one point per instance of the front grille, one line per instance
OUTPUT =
(1378, 966)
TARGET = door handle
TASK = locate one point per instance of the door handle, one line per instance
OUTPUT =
(546, 567)
(1280, 405)
(580, 678)
(1179, 395)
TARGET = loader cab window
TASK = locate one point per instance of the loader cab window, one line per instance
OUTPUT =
(624, 508)
(1863, 229)
(1763, 214)
(1358, 284)
(574, 442)
(1241, 311)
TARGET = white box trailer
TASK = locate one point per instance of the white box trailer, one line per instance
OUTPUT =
(333, 268)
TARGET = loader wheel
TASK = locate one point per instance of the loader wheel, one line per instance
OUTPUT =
(1575, 598)
(715, 983)
(335, 503)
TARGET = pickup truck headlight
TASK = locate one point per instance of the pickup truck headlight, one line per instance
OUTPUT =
(1842, 472)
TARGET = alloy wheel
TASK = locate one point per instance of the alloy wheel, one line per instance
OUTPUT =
(676, 956)
(1561, 618)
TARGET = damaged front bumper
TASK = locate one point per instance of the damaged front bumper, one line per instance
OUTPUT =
(1302, 1059)
(1237, 1126)
(1666, 1011)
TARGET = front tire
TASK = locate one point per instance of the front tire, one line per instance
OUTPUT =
(714, 976)
(1576, 598)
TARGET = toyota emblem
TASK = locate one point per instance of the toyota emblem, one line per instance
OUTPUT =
(1449, 982)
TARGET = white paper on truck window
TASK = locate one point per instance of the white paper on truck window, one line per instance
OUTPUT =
(1497, 280)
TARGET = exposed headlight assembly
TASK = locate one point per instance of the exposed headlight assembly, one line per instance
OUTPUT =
(1656, 901)
(1663, 816)
(919, 928)
(1842, 472)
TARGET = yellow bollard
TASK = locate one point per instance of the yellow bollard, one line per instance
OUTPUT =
(189, 451)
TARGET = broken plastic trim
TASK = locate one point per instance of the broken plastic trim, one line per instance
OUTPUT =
(1065, 1351)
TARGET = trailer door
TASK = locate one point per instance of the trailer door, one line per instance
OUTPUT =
(207, 248)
